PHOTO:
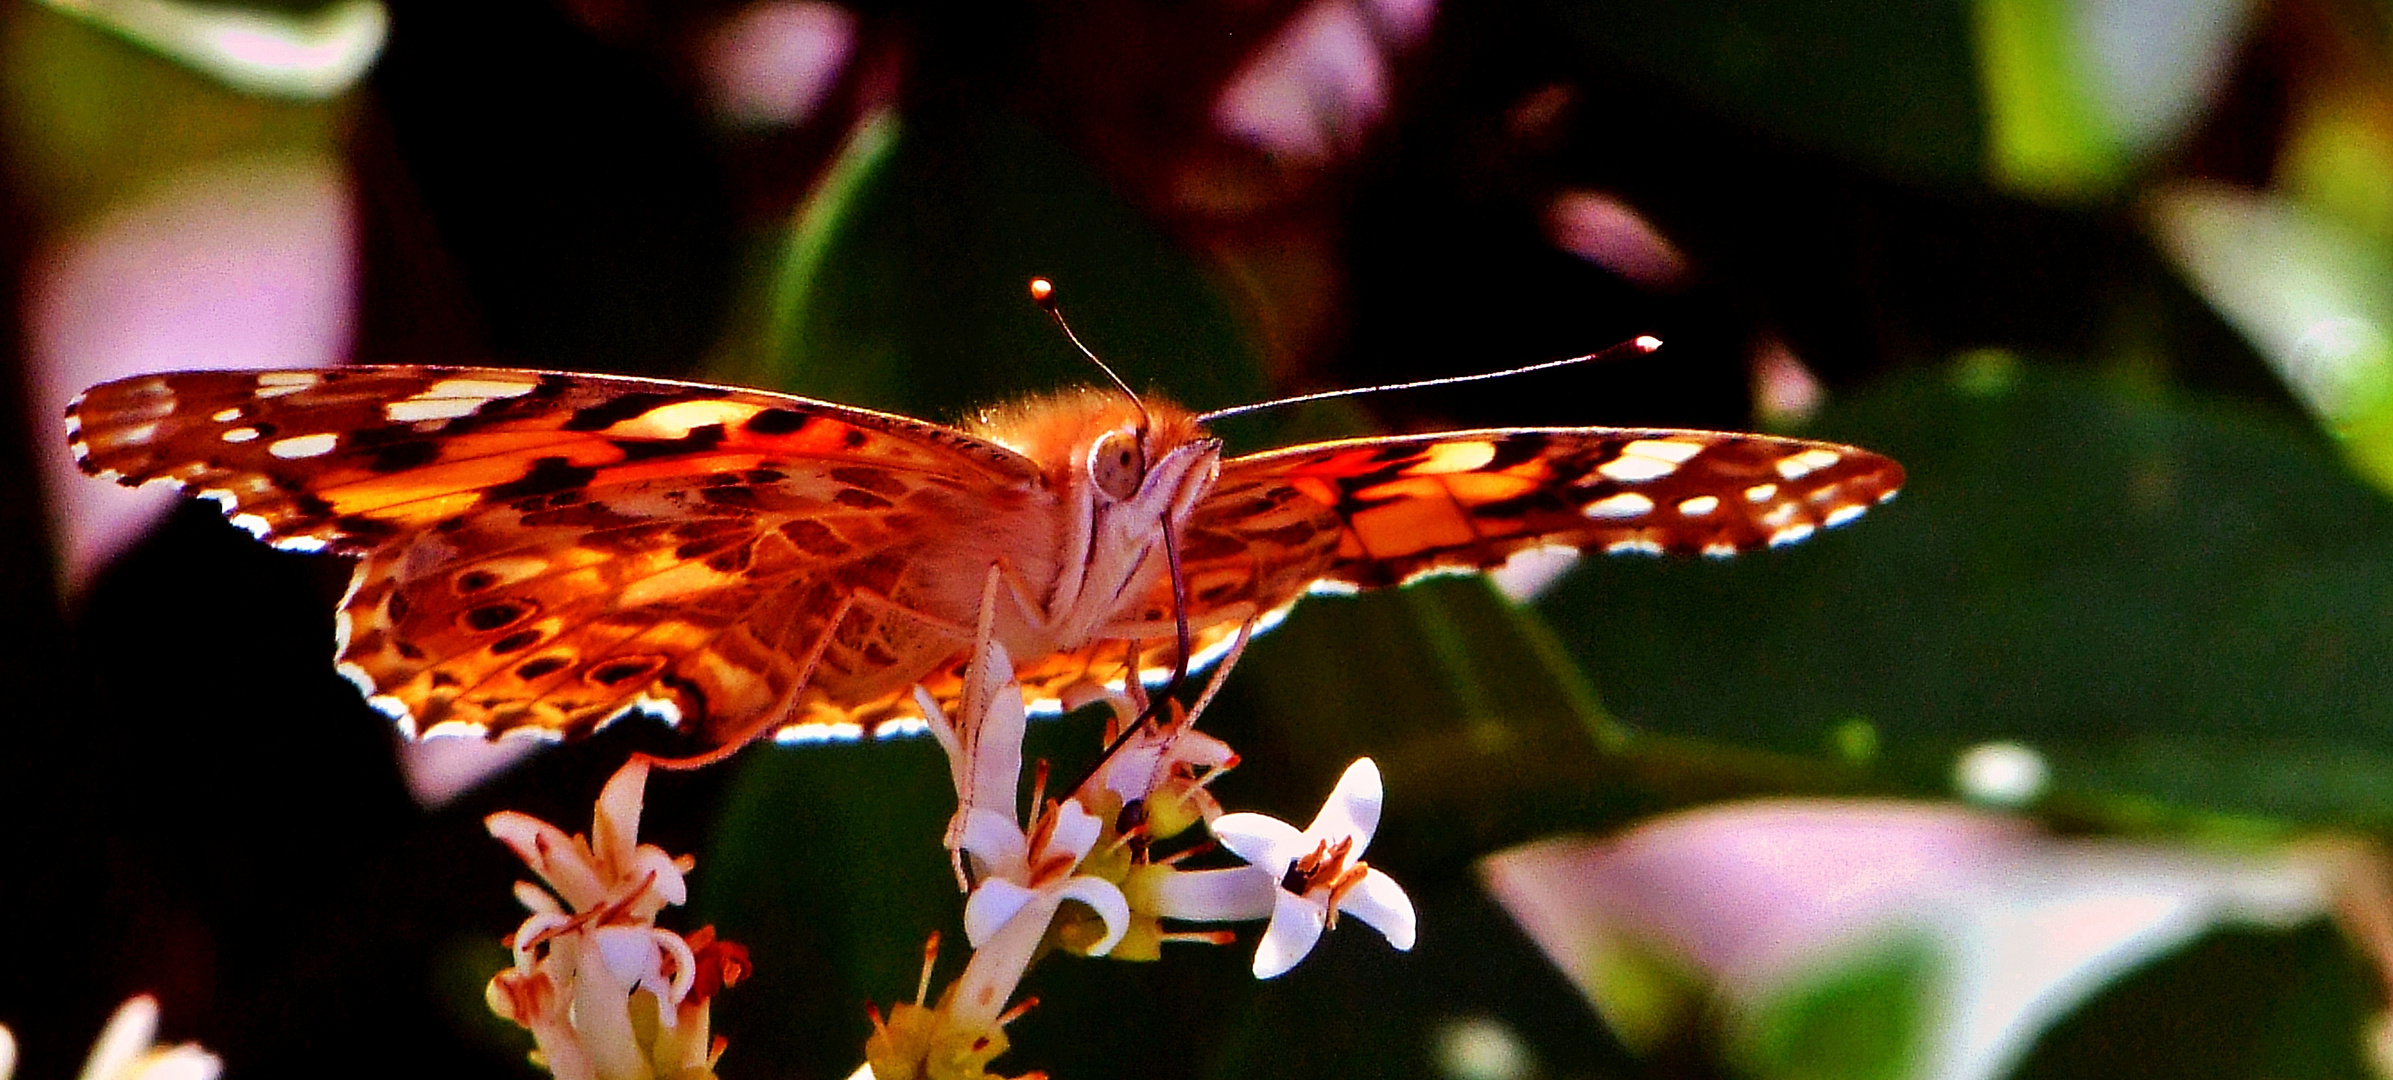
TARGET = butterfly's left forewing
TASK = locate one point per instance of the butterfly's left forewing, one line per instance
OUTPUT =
(541, 552)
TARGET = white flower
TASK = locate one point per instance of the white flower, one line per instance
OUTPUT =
(128, 1050)
(1320, 871)
(605, 992)
(1033, 872)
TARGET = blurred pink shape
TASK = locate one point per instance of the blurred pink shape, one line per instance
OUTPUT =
(1755, 898)
(1312, 92)
(438, 770)
(244, 263)
(1613, 235)
(1751, 890)
(1403, 23)
(1785, 392)
(772, 62)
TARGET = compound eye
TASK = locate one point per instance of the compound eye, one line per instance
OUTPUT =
(1118, 464)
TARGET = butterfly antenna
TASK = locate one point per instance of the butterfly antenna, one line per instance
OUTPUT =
(1042, 293)
(1638, 346)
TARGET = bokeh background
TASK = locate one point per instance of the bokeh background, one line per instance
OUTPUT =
(2090, 733)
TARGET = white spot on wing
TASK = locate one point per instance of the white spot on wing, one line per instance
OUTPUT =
(808, 733)
(1719, 549)
(309, 545)
(304, 446)
(274, 384)
(1632, 547)
(239, 434)
(1627, 504)
(1699, 505)
(1843, 514)
(226, 416)
(1799, 465)
(477, 389)
(675, 420)
(1669, 450)
(1761, 493)
(1631, 469)
(1793, 534)
(902, 727)
(662, 708)
(417, 408)
(1453, 457)
(255, 525)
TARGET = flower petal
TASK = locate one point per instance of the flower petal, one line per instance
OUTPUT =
(630, 952)
(615, 828)
(560, 860)
(1352, 809)
(1233, 894)
(128, 1036)
(667, 887)
(1378, 900)
(537, 899)
(1104, 898)
(1295, 926)
(1076, 831)
(998, 842)
(944, 730)
(1265, 841)
(992, 905)
(994, 731)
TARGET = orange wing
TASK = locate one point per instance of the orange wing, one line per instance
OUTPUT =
(1372, 512)
(1365, 513)
(542, 552)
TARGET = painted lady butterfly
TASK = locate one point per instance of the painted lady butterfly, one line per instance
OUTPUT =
(541, 552)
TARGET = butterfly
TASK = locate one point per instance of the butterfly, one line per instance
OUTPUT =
(539, 553)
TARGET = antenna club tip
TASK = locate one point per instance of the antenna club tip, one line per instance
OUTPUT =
(1647, 343)
(1042, 292)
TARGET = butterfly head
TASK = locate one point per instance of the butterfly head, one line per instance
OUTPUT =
(1122, 452)
(1124, 468)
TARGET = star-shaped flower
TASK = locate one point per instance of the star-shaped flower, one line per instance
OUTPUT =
(1320, 871)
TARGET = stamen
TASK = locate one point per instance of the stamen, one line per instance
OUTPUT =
(1201, 937)
(1015, 1013)
(930, 955)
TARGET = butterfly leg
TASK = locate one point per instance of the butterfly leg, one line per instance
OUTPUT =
(782, 709)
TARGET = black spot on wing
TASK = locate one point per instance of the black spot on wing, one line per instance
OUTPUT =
(402, 456)
(548, 476)
(774, 422)
(1515, 449)
(607, 414)
(539, 668)
(702, 437)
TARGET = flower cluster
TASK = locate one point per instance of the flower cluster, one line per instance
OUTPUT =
(606, 993)
(1096, 871)
(1081, 873)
